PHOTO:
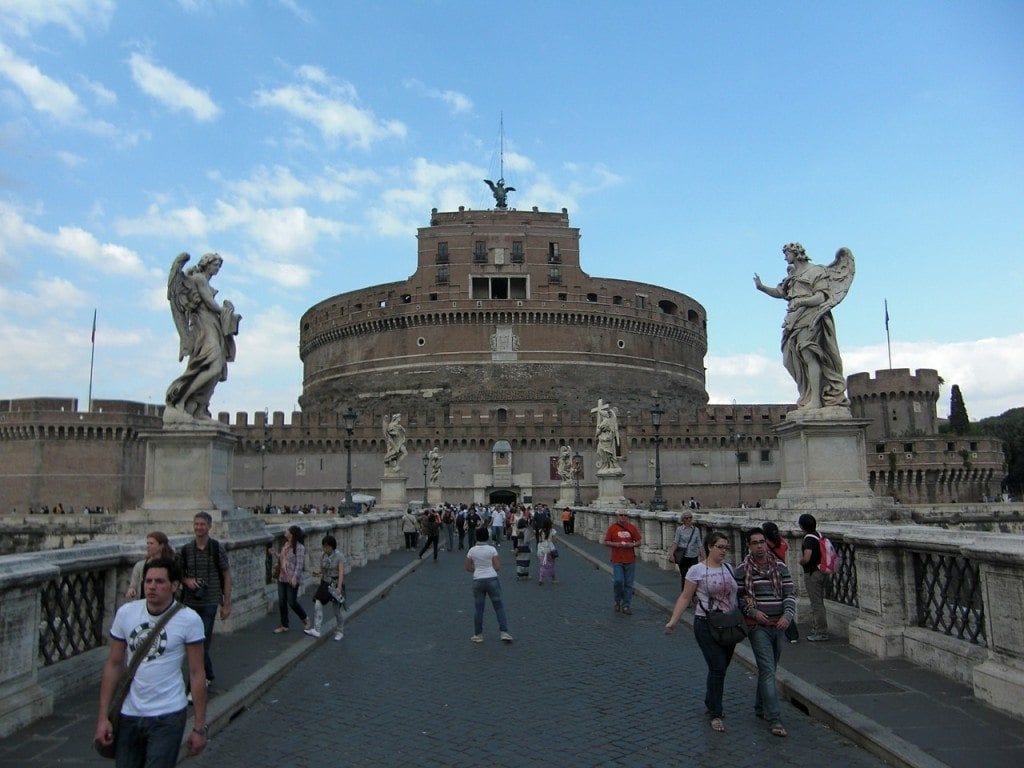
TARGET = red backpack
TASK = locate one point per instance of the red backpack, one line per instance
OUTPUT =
(829, 561)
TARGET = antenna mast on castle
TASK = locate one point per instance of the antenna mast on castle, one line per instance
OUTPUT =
(501, 145)
(499, 190)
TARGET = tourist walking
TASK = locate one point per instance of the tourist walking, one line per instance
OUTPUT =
(547, 552)
(768, 599)
(460, 526)
(779, 547)
(291, 564)
(622, 537)
(157, 546)
(410, 527)
(687, 546)
(713, 584)
(522, 553)
(814, 579)
(331, 590)
(207, 581)
(430, 524)
(154, 711)
(483, 562)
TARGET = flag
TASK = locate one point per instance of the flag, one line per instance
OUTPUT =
(94, 326)
(886, 315)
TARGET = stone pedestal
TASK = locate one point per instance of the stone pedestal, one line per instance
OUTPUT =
(566, 494)
(189, 470)
(824, 467)
(392, 493)
(434, 495)
(609, 488)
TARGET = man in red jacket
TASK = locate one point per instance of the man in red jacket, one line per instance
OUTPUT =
(623, 538)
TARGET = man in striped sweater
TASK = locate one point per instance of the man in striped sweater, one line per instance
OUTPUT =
(768, 600)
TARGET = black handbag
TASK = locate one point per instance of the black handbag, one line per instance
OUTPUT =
(727, 628)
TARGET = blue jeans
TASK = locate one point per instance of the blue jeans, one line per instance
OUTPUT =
(483, 588)
(149, 742)
(766, 643)
(208, 613)
(622, 582)
(496, 534)
(717, 658)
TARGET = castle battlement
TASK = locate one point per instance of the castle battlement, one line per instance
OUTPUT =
(894, 381)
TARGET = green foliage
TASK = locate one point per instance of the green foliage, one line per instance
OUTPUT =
(959, 423)
(1009, 427)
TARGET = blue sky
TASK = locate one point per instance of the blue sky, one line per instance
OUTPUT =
(306, 142)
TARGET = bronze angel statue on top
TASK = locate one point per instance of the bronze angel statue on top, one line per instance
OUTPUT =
(207, 333)
(810, 350)
(500, 192)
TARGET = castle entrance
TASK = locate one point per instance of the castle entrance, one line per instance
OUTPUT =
(502, 496)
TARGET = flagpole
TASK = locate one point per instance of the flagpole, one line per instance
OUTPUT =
(888, 341)
(92, 357)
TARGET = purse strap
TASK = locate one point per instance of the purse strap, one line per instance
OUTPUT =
(125, 683)
(725, 565)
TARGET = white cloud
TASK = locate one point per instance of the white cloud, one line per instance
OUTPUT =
(46, 95)
(23, 16)
(330, 107)
(171, 90)
(457, 102)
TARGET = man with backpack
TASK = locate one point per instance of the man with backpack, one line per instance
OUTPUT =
(207, 581)
(814, 577)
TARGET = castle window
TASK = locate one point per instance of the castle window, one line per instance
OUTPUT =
(433, 297)
(381, 304)
(498, 288)
(908, 447)
(592, 297)
(617, 301)
(950, 447)
(766, 457)
(442, 253)
(641, 301)
(406, 298)
(563, 297)
(692, 316)
(479, 252)
(554, 274)
(442, 274)
(742, 457)
(880, 447)
(501, 416)
(518, 256)
(974, 446)
(668, 307)
(554, 257)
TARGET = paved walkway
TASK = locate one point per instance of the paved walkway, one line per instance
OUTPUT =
(580, 686)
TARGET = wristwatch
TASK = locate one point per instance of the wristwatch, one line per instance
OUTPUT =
(203, 731)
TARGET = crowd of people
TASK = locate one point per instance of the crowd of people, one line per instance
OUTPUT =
(60, 509)
(753, 599)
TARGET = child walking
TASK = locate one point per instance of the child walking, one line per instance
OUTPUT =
(546, 553)
(522, 553)
(331, 589)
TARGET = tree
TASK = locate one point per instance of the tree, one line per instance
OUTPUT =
(959, 423)
(1009, 427)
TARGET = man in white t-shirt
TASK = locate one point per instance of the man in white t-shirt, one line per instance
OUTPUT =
(154, 713)
(483, 562)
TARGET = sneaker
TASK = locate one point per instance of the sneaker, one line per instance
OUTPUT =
(793, 642)
(477, 638)
(312, 632)
(279, 630)
(616, 608)
(818, 638)
(339, 635)
(506, 637)
(627, 610)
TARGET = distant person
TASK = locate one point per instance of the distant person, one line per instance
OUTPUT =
(154, 712)
(567, 521)
(715, 587)
(291, 564)
(207, 582)
(522, 552)
(410, 528)
(622, 537)
(157, 546)
(430, 524)
(483, 562)
(687, 546)
(768, 599)
(814, 580)
(546, 554)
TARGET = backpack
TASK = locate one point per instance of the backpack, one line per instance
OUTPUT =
(829, 557)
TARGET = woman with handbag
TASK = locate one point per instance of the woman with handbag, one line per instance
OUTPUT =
(715, 588)
(687, 547)
(291, 564)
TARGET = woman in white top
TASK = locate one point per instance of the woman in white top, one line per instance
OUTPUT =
(713, 584)
(483, 562)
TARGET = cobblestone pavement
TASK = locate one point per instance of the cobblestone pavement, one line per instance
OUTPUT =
(580, 686)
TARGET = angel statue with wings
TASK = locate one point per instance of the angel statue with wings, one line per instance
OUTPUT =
(394, 439)
(810, 350)
(206, 331)
(500, 192)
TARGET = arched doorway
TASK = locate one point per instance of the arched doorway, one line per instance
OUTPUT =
(501, 496)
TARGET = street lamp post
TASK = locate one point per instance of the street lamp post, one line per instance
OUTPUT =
(426, 463)
(263, 471)
(577, 470)
(739, 478)
(348, 419)
(658, 502)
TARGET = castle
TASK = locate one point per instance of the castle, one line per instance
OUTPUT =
(495, 351)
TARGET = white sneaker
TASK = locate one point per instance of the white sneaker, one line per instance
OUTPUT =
(311, 632)
(506, 637)
(477, 638)
(338, 635)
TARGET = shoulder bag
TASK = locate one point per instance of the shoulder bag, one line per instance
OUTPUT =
(125, 683)
(728, 628)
